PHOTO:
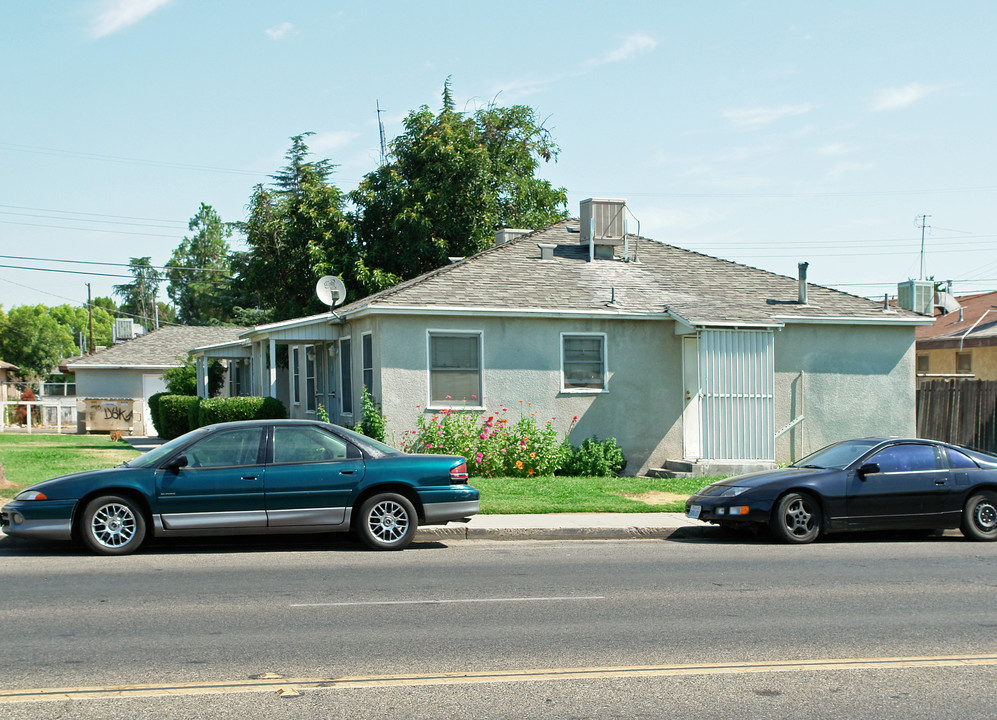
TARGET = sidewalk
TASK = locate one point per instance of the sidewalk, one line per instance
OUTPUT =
(552, 526)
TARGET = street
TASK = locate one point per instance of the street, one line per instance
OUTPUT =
(899, 627)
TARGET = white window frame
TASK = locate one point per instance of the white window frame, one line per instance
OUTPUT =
(471, 403)
(366, 368)
(605, 364)
(342, 376)
(311, 399)
(295, 363)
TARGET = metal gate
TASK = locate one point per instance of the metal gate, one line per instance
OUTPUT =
(737, 388)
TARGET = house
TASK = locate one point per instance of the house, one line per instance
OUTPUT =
(114, 384)
(680, 356)
(7, 371)
(962, 341)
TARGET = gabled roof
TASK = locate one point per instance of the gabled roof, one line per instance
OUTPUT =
(665, 280)
(157, 350)
(974, 324)
(8, 366)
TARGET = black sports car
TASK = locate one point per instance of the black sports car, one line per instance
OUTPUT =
(866, 484)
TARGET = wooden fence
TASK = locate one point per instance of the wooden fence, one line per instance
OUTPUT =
(959, 411)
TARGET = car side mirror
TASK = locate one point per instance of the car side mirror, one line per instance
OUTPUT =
(868, 469)
(180, 461)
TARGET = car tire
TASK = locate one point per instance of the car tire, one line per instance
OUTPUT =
(112, 525)
(387, 521)
(979, 516)
(797, 518)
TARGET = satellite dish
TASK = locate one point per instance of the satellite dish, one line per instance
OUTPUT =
(331, 291)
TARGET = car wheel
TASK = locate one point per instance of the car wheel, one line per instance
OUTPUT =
(979, 517)
(112, 525)
(387, 522)
(797, 518)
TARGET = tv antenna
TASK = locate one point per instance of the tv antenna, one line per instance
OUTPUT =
(920, 222)
(380, 127)
(331, 291)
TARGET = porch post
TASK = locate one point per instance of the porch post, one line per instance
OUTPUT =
(273, 367)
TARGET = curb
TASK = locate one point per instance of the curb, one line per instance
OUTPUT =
(444, 533)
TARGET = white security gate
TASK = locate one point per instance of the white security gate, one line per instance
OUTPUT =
(736, 389)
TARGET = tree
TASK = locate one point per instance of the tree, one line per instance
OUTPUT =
(78, 321)
(31, 338)
(453, 180)
(199, 268)
(139, 296)
(182, 379)
(297, 231)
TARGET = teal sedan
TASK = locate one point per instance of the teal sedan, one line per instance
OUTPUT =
(261, 476)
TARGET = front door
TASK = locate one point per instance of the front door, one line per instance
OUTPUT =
(690, 408)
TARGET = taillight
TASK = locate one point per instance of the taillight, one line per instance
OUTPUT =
(458, 474)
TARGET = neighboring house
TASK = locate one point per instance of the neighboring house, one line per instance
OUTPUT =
(678, 355)
(113, 385)
(6, 371)
(961, 343)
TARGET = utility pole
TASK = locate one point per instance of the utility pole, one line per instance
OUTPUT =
(920, 221)
(89, 320)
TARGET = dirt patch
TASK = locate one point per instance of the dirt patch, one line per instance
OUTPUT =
(657, 497)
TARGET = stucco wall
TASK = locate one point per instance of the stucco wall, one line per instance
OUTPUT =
(109, 383)
(522, 364)
(857, 381)
(942, 361)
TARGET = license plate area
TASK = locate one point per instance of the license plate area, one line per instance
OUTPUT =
(694, 511)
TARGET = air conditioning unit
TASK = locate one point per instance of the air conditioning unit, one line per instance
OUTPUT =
(603, 221)
(124, 329)
(917, 295)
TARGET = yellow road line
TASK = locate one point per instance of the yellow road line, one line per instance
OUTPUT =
(286, 685)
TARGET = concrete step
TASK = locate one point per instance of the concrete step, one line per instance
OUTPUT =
(667, 473)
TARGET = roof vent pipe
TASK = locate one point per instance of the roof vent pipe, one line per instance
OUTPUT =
(803, 282)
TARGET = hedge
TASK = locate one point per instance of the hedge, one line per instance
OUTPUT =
(154, 411)
(174, 415)
(216, 410)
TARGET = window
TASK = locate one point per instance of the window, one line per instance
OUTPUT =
(906, 458)
(923, 364)
(310, 378)
(963, 362)
(583, 362)
(455, 368)
(233, 447)
(959, 460)
(346, 376)
(295, 376)
(235, 378)
(307, 444)
(367, 361)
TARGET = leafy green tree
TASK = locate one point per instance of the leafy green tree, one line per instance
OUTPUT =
(138, 298)
(182, 379)
(78, 321)
(106, 303)
(199, 268)
(297, 231)
(34, 340)
(453, 180)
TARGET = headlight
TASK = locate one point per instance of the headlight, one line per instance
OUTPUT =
(30, 495)
(732, 491)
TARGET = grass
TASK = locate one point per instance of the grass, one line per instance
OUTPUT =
(28, 459)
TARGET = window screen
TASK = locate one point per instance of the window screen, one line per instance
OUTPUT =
(455, 368)
(584, 362)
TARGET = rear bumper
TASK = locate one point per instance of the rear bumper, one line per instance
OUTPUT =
(442, 513)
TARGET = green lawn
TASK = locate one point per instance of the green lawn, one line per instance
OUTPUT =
(28, 459)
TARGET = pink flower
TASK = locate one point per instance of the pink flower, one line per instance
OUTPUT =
(448, 397)
(483, 436)
(429, 445)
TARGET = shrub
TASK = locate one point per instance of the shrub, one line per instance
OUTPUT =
(193, 414)
(154, 411)
(216, 410)
(492, 445)
(593, 458)
(174, 415)
(372, 424)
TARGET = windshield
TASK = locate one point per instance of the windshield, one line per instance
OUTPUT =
(158, 454)
(837, 456)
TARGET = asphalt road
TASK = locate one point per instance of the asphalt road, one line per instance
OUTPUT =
(870, 627)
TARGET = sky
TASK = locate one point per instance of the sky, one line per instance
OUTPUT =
(767, 133)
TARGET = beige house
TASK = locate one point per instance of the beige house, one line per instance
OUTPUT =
(690, 361)
(961, 343)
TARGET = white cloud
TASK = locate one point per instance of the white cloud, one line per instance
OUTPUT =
(115, 15)
(759, 116)
(333, 141)
(901, 97)
(279, 32)
(631, 46)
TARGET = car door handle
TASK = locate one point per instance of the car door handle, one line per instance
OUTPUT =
(941, 483)
(346, 472)
(250, 477)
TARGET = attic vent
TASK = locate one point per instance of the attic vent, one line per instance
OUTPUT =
(506, 234)
(546, 251)
(124, 329)
(603, 221)
(917, 295)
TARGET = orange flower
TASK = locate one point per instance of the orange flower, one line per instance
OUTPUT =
(530, 471)
(519, 464)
